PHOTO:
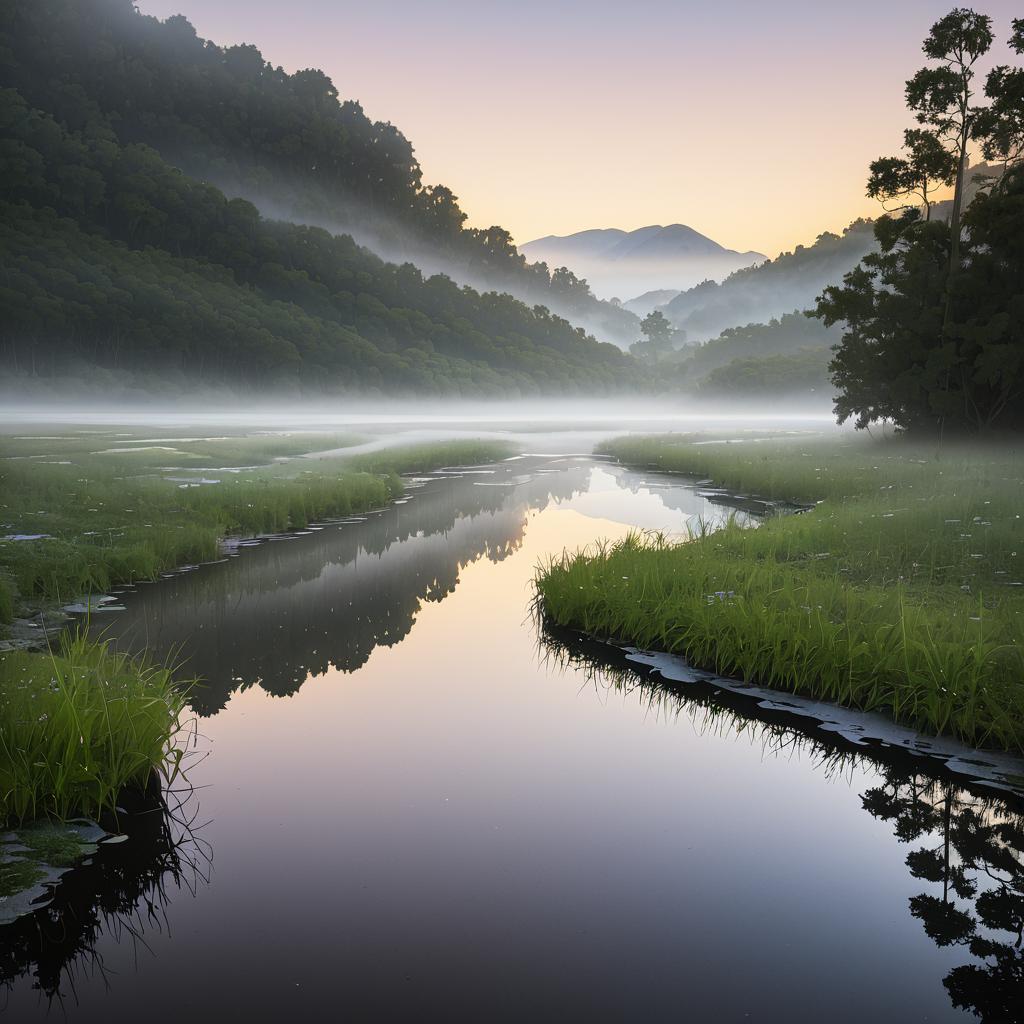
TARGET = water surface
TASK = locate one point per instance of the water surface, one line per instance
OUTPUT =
(415, 805)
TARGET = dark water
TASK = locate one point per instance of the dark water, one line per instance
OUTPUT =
(413, 806)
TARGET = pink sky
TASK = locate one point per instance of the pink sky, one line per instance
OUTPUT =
(752, 122)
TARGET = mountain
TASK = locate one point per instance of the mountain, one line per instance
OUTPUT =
(616, 262)
(759, 294)
(650, 301)
(120, 263)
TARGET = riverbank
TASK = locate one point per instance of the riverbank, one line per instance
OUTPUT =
(899, 591)
(89, 511)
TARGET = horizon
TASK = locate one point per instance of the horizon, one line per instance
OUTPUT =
(538, 162)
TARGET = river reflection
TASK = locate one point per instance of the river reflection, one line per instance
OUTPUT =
(965, 844)
(291, 609)
(422, 806)
(121, 894)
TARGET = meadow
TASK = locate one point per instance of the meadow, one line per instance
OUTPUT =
(898, 588)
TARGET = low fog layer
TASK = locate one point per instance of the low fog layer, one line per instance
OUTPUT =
(587, 420)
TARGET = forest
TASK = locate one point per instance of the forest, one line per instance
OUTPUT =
(117, 260)
(287, 142)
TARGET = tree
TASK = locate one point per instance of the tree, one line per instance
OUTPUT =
(1001, 126)
(928, 164)
(933, 321)
(942, 98)
(658, 334)
(917, 353)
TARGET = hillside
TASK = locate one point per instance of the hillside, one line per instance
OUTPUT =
(619, 263)
(287, 142)
(758, 294)
(116, 261)
(784, 356)
(650, 301)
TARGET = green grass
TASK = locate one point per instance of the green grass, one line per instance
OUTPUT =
(111, 518)
(78, 725)
(900, 592)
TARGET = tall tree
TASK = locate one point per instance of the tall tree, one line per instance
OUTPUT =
(942, 97)
(933, 321)
(1000, 127)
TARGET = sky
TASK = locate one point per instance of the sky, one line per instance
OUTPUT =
(753, 122)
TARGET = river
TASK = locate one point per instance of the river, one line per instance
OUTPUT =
(408, 802)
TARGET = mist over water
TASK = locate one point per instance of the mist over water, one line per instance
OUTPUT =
(586, 421)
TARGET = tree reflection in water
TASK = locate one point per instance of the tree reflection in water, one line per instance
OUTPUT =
(969, 848)
(967, 843)
(124, 892)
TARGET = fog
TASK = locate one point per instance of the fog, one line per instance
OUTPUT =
(574, 425)
(393, 242)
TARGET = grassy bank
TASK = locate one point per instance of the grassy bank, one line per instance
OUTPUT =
(902, 591)
(77, 726)
(80, 515)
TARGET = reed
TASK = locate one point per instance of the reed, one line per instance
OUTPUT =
(79, 724)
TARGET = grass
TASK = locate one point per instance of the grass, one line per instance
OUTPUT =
(78, 725)
(901, 590)
(107, 518)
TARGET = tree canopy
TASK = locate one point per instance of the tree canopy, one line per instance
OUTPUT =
(934, 321)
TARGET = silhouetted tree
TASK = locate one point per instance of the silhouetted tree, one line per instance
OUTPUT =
(933, 325)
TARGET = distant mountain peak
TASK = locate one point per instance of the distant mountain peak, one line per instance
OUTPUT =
(656, 256)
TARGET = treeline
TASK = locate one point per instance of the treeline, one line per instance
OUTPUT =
(793, 280)
(225, 115)
(785, 336)
(801, 373)
(114, 257)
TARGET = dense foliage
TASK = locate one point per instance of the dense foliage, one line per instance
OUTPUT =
(793, 334)
(934, 321)
(906, 359)
(804, 372)
(758, 294)
(286, 141)
(115, 259)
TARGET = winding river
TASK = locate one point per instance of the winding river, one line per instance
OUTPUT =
(410, 802)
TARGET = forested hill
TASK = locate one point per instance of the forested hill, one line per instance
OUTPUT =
(287, 142)
(792, 281)
(114, 259)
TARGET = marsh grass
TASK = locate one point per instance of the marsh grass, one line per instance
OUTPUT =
(900, 592)
(79, 724)
(108, 520)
